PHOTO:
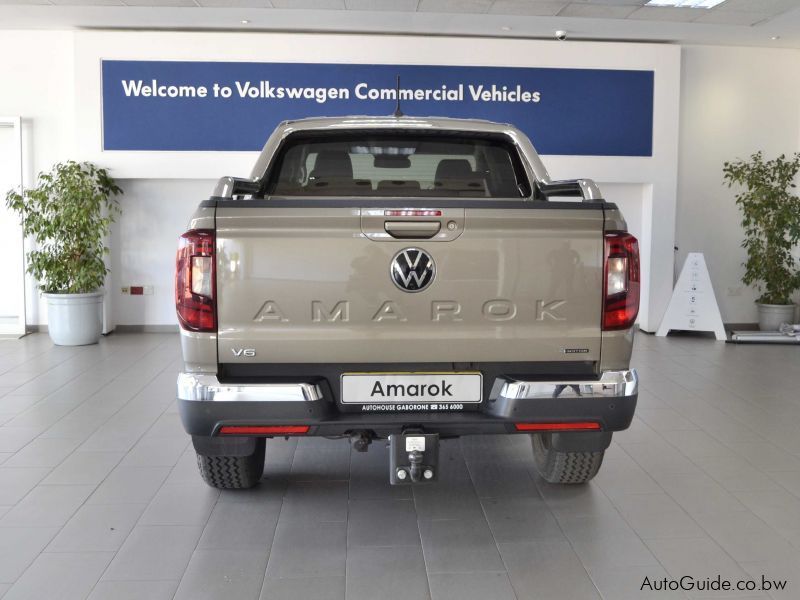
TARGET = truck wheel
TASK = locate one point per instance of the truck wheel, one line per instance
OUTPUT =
(233, 472)
(557, 466)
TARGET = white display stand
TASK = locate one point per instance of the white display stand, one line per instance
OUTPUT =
(693, 306)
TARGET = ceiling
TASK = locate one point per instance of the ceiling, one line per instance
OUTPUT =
(734, 22)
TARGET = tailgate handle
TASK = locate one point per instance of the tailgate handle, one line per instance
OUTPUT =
(412, 229)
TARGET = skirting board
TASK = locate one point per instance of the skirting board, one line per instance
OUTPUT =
(120, 329)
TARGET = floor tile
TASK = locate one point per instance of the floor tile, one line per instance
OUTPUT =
(459, 545)
(379, 522)
(84, 468)
(15, 483)
(44, 452)
(66, 575)
(19, 547)
(134, 485)
(520, 519)
(234, 525)
(223, 573)
(315, 501)
(471, 586)
(295, 588)
(153, 553)
(547, 570)
(97, 528)
(134, 590)
(395, 572)
(47, 506)
(308, 549)
(181, 504)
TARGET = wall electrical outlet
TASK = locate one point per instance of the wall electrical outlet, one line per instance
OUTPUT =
(125, 290)
(735, 291)
(148, 290)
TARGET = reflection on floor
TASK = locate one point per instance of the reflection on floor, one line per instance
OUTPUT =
(99, 495)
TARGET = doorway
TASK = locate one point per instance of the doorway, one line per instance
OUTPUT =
(12, 266)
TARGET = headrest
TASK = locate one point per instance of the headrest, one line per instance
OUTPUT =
(453, 168)
(332, 164)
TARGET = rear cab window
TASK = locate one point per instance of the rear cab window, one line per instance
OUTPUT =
(398, 164)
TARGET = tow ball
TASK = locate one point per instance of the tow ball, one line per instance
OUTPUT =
(414, 458)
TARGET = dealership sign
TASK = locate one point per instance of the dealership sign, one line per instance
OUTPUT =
(190, 106)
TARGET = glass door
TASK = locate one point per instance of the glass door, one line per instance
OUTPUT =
(12, 267)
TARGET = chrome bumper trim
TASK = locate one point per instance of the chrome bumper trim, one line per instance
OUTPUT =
(204, 388)
(612, 384)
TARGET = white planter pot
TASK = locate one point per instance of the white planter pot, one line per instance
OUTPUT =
(75, 319)
(770, 316)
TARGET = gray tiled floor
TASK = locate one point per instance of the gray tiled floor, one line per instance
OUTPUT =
(99, 497)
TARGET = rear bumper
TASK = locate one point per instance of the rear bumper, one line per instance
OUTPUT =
(206, 405)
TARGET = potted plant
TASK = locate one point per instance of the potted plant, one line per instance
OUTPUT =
(68, 215)
(771, 221)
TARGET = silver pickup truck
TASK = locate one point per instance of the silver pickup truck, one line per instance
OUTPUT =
(406, 279)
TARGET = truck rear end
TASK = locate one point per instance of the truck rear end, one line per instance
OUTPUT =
(405, 279)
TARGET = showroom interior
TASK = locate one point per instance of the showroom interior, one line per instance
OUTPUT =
(655, 456)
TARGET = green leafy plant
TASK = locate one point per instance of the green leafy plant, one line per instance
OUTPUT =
(771, 221)
(68, 214)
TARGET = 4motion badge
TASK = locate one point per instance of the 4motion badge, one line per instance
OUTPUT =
(412, 270)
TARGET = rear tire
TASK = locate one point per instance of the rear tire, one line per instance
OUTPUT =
(563, 467)
(233, 472)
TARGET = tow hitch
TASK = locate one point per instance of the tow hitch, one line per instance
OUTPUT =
(414, 458)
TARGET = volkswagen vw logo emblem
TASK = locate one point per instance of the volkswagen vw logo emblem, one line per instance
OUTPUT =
(412, 270)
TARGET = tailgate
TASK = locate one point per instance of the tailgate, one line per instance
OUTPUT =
(312, 284)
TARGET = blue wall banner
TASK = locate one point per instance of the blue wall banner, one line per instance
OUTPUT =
(234, 106)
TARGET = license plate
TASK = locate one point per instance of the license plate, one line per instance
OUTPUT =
(443, 389)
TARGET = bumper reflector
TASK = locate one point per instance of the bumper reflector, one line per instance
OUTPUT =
(580, 426)
(263, 429)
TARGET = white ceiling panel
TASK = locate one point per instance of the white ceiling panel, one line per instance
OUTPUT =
(732, 17)
(454, 6)
(774, 7)
(658, 13)
(309, 4)
(612, 2)
(382, 5)
(172, 3)
(234, 3)
(597, 11)
(87, 2)
(24, 2)
(527, 8)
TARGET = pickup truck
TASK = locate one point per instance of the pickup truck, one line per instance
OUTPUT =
(405, 279)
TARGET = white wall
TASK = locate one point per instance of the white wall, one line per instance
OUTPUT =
(734, 101)
(154, 214)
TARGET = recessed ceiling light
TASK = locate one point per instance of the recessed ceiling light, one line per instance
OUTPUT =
(244, 21)
(686, 3)
(506, 28)
(775, 37)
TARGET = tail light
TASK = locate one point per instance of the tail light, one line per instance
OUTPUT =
(264, 429)
(579, 426)
(195, 282)
(621, 281)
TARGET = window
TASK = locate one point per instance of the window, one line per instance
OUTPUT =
(413, 163)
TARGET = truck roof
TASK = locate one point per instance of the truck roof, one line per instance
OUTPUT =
(406, 121)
